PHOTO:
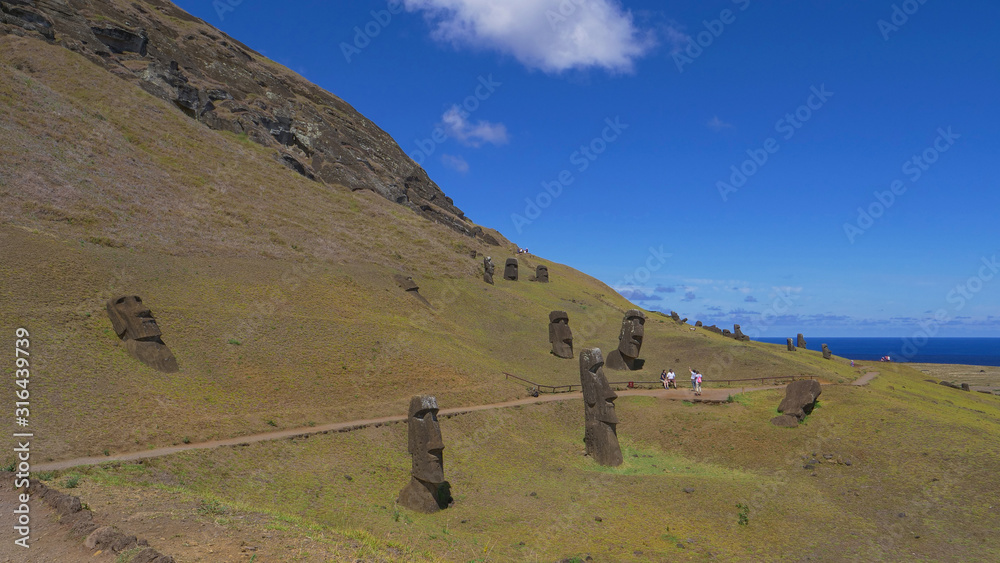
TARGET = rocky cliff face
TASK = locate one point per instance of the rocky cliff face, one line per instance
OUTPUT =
(225, 85)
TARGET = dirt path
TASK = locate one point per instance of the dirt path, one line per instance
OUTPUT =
(709, 395)
(864, 379)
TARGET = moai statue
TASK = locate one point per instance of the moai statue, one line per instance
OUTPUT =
(791, 345)
(488, 269)
(133, 322)
(560, 334)
(726, 333)
(738, 334)
(827, 354)
(699, 323)
(542, 274)
(407, 284)
(675, 316)
(510, 269)
(801, 343)
(629, 342)
(600, 419)
(427, 490)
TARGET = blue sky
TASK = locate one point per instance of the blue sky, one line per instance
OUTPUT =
(706, 157)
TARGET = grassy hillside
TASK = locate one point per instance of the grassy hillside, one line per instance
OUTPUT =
(909, 478)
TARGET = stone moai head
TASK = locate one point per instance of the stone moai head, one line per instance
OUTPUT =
(560, 334)
(791, 345)
(427, 490)
(801, 341)
(600, 418)
(630, 339)
(827, 354)
(488, 270)
(133, 322)
(425, 445)
(738, 334)
(510, 269)
(542, 274)
(675, 316)
(698, 323)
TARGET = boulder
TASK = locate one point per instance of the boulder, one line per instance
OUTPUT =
(800, 398)
(785, 421)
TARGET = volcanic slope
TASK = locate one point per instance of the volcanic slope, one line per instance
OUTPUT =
(275, 292)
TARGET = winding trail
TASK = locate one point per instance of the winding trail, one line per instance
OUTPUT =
(708, 395)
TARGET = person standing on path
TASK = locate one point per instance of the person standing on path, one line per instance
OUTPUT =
(697, 384)
(694, 375)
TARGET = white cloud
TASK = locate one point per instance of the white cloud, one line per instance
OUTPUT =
(456, 124)
(550, 35)
(455, 163)
(716, 124)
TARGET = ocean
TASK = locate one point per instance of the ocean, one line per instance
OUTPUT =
(971, 351)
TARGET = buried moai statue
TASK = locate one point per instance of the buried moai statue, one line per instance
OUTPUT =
(542, 274)
(827, 354)
(698, 323)
(133, 322)
(488, 270)
(560, 334)
(791, 345)
(427, 490)
(600, 420)
(510, 269)
(629, 342)
(801, 341)
(407, 284)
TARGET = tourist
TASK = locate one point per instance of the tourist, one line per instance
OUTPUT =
(663, 379)
(671, 379)
(694, 375)
(697, 384)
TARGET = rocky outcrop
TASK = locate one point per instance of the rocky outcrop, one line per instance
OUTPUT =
(222, 83)
(81, 522)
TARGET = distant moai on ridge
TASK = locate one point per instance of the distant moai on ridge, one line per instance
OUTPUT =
(827, 354)
(510, 269)
(802, 342)
(791, 345)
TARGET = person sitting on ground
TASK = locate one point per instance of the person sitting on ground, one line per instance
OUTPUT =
(671, 379)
